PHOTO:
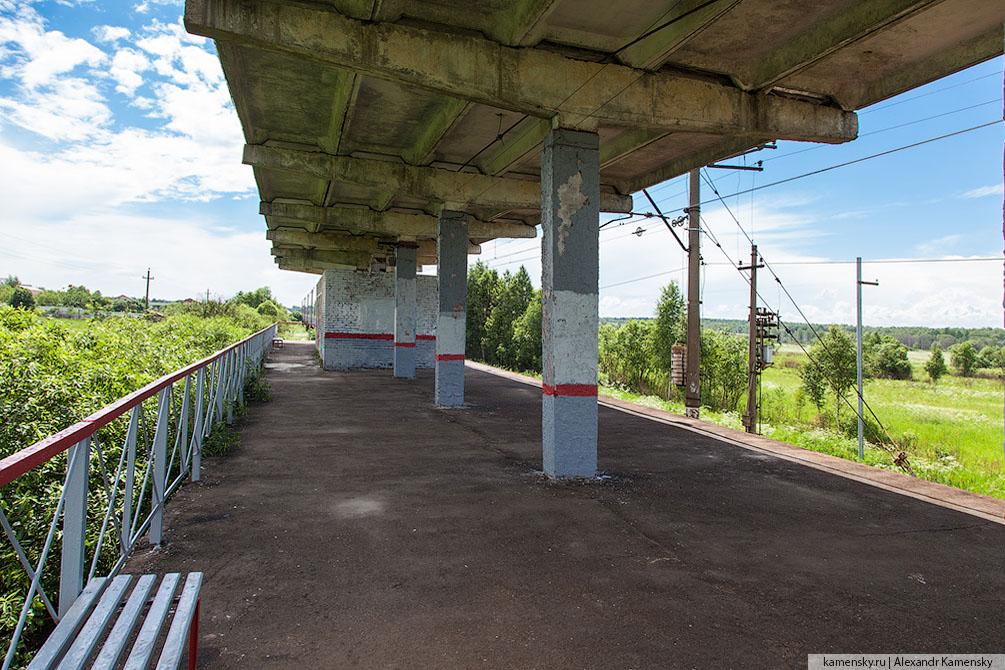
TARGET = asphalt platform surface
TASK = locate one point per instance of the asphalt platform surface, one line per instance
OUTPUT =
(359, 527)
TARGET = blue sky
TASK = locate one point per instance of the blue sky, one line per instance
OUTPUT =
(121, 151)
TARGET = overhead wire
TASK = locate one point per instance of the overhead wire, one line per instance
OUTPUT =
(900, 458)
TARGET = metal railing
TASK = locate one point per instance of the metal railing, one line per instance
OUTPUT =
(150, 466)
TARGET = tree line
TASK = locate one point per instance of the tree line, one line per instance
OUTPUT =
(261, 300)
(913, 337)
(504, 329)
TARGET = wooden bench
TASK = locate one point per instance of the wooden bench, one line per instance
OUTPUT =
(98, 615)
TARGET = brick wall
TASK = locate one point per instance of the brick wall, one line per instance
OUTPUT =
(356, 320)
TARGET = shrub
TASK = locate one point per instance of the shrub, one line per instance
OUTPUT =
(935, 366)
(22, 298)
(963, 357)
(269, 309)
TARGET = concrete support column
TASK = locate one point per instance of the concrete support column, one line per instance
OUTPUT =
(404, 311)
(452, 276)
(570, 219)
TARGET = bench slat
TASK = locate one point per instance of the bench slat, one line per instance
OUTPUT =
(174, 645)
(116, 642)
(144, 646)
(69, 624)
(89, 635)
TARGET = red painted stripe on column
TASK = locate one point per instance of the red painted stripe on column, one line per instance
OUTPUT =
(410, 345)
(450, 357)
(579, 390)
(359, 336)
(426, 337)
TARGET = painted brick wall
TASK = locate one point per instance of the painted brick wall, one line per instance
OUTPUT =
(356, 320)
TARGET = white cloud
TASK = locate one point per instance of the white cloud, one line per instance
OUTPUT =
(144, 7)
(939, 246)
(127, 64)
(194, 154)
(110, 33)
(40, 55)
(993, 189)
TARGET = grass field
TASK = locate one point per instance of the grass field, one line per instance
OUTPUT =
(952, 433)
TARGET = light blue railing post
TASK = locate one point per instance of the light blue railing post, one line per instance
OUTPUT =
(181, 439)
(231, 385)
(160, 466)
(196, 444)
(244, 371)
(71, 575)
(221, 378)
(130, 481)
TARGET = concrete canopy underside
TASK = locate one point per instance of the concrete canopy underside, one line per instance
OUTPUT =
(395, 107)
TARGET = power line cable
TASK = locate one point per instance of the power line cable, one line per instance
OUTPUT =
(857, 160)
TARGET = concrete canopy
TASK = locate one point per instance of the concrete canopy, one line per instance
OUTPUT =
(403, 108)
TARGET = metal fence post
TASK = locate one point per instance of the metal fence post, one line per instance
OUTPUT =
(130, 482)
(231, 385)
(160, 467)
(196, 445)
(244, 372)
(182, 438)
(221, 378)
(71, 574)
(210, 407)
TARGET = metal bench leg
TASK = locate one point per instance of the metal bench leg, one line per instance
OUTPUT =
(193, 637)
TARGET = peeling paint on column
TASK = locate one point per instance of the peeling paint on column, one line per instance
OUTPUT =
(571, 199)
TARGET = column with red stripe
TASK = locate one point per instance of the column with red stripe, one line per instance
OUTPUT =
(452, 277)
(570, 197)
(404, 310)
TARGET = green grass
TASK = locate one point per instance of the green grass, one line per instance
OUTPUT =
(291, 332)
(73, 325)
(952, 433)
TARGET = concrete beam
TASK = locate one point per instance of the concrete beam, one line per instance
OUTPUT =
(315, 258)
(839, 30)
(343, 106)
(434, 127)
(296, 266)
(518, 23)
(624, 144)
(531, 81)
(679, 26)
(442, 186)
(388, 223)
(504, 155)
(324, 241)
(336, 242)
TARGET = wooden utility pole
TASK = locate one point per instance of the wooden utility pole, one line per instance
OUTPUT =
(146, 301)
(692, 396)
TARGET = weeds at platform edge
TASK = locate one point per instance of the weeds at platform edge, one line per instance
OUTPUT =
(221, 441)
(256, 389)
